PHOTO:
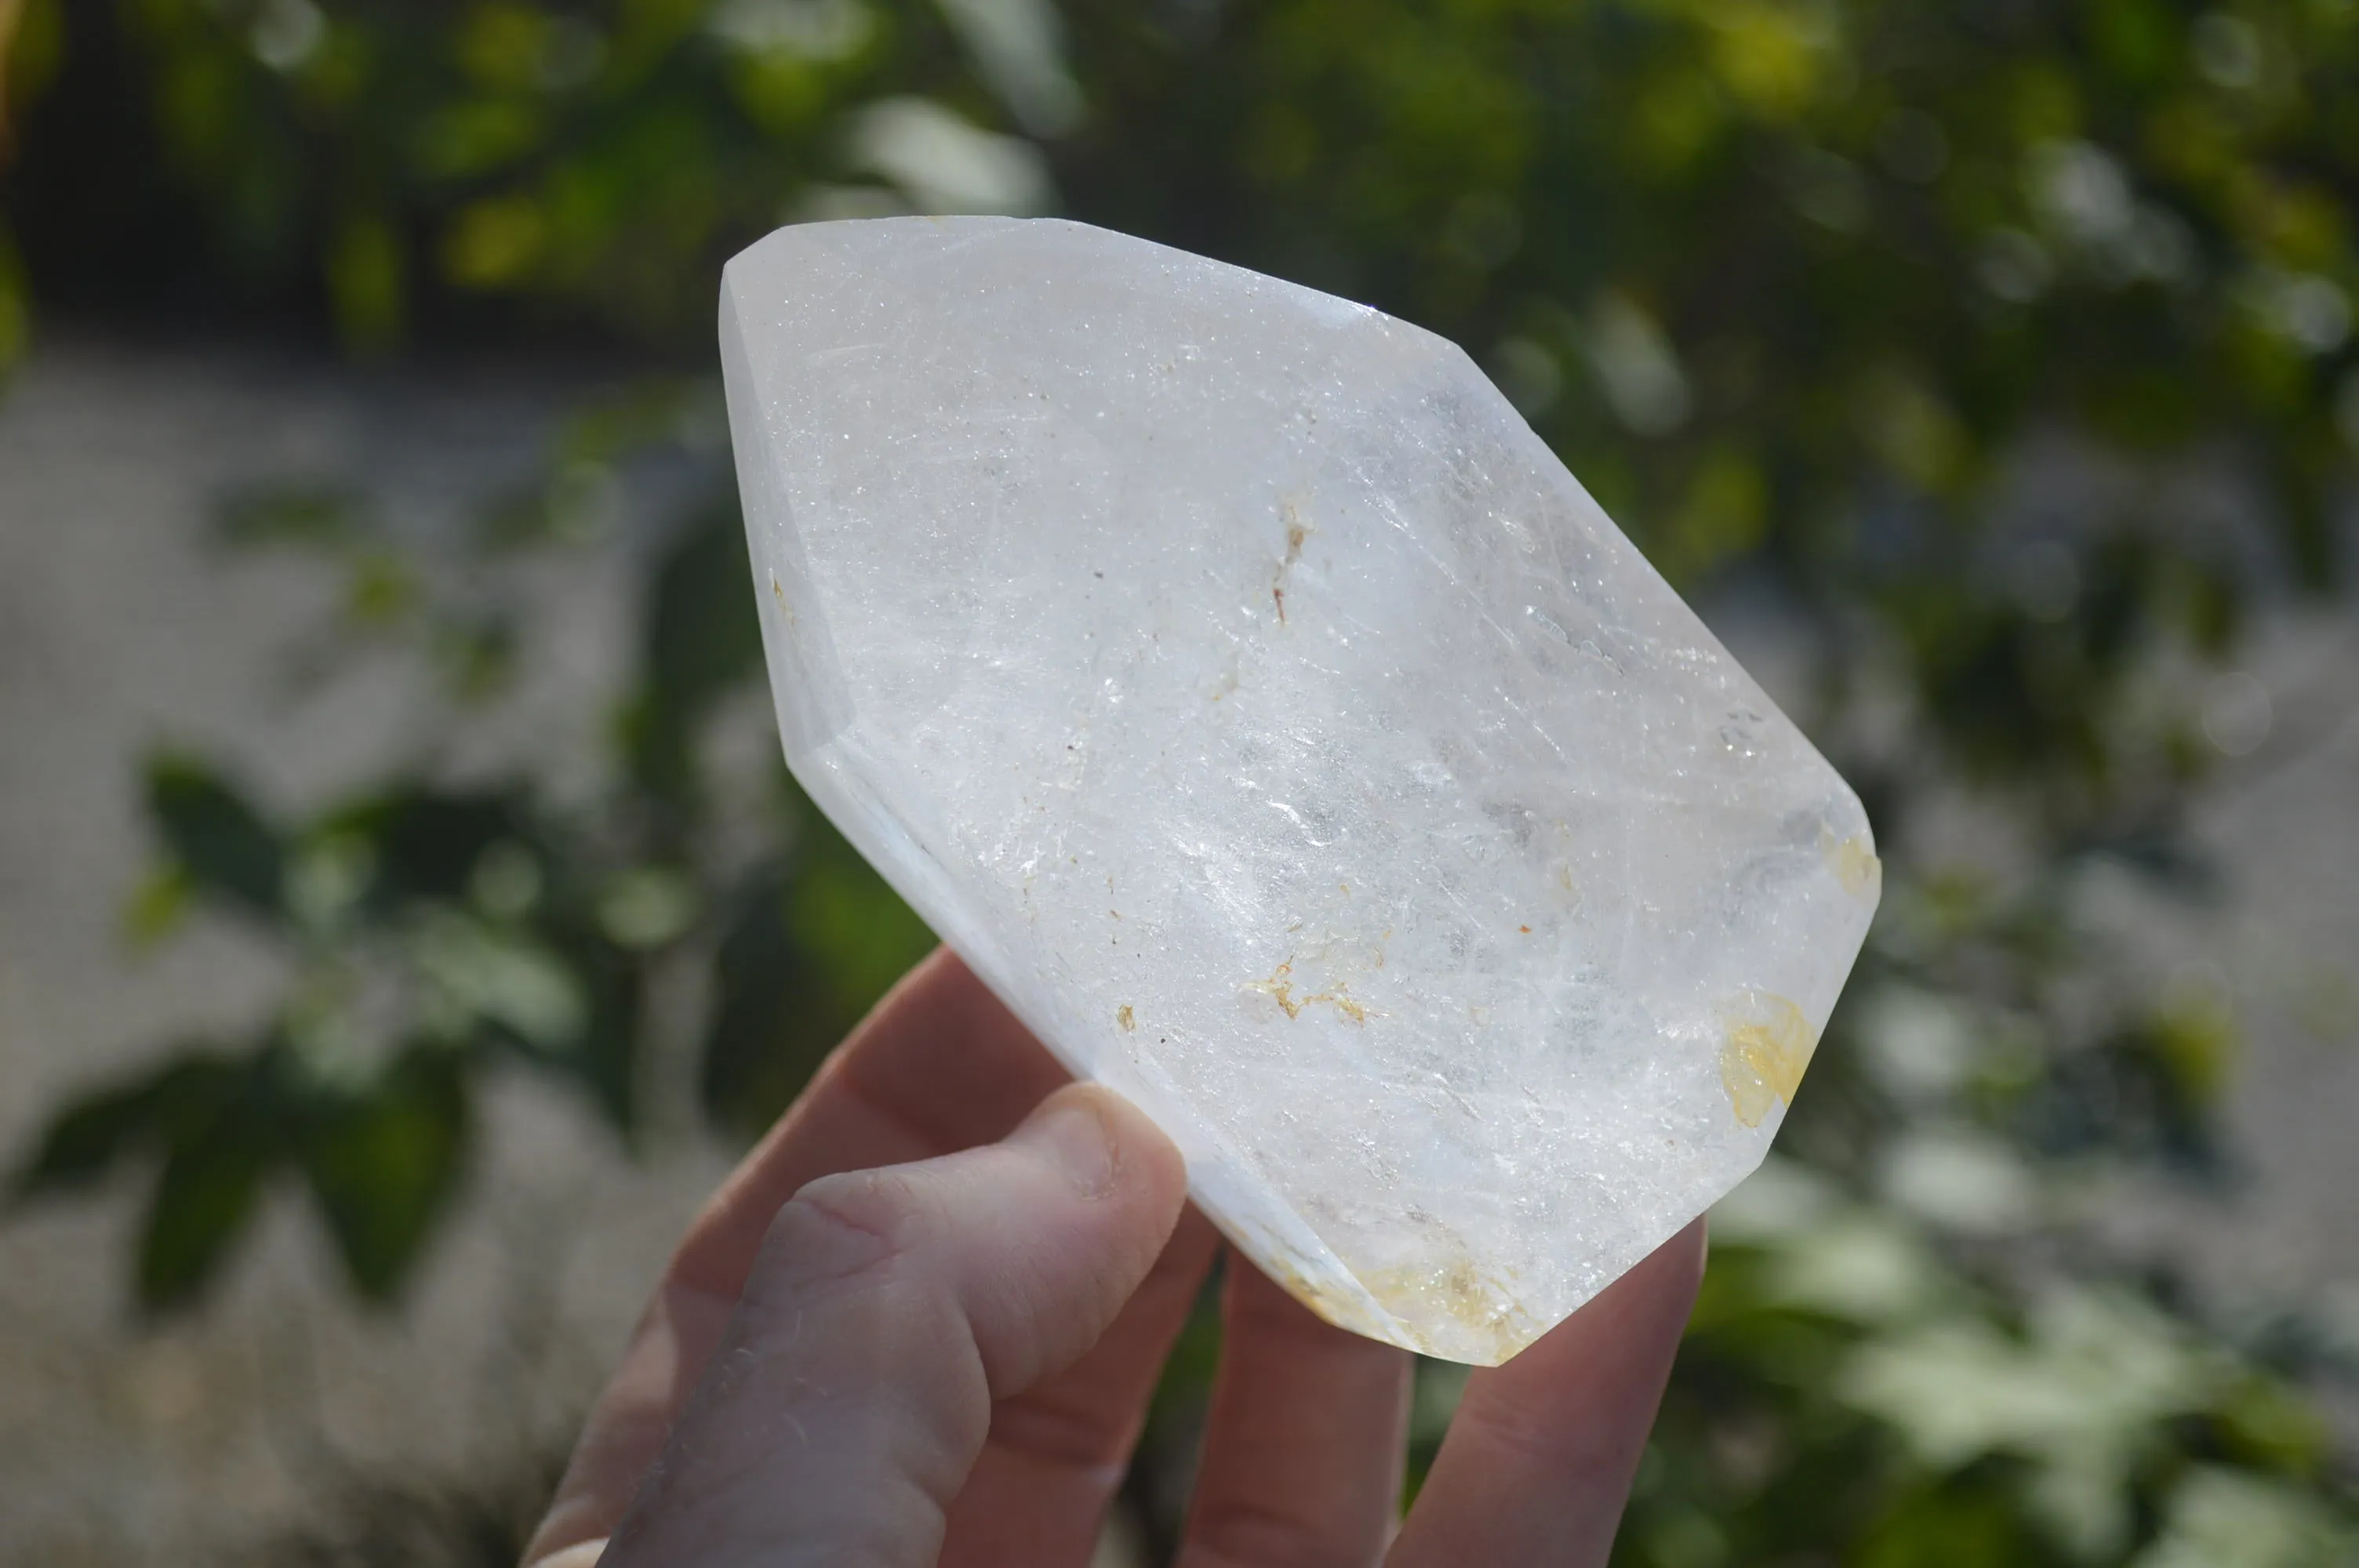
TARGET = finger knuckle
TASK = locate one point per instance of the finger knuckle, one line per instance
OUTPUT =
(844, 1226)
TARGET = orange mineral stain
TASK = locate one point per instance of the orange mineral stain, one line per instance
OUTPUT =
(1762, 1060)
(1853, 863)
(1279, 989)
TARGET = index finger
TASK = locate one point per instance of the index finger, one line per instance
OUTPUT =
(939, 1067)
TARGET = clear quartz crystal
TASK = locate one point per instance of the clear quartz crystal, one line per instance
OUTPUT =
(1229, 673)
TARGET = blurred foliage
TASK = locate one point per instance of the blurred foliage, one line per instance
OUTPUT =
(1808, 292)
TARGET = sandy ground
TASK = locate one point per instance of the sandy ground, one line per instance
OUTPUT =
(126, 1442)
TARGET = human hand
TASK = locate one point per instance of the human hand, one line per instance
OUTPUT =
(948, 1360)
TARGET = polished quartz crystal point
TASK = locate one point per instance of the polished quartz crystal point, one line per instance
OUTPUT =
(1228, 673)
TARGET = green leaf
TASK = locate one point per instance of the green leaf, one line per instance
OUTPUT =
(16, 304)
(606, 1061)
(484, 974)
(324, 518)
(2273, 1426)
(425, 844)
(365, 271)
(220, 1122)
(83, 1142)
(1958, 1524)
(205, 1197)
(848, 919)
(86, 1141)
(702, 641)
(809, 953)
(2218, 1516)
(215, 836)
(772, 1021)
(384, 1163)
(156, 909)
(598, 1048)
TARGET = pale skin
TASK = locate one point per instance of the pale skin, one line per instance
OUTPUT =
(919, 1324)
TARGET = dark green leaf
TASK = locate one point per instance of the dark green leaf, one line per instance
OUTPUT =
(92, 1136)
(426, 843)
(205, 1197)
(702, 641)
(215, 834)
(302, 517)
(809, 952)
(1967, 1523)
(773, 1021)
(603, 1056)
(384, 1162)
(85, 1141)
(848, 920)
(606, 1062)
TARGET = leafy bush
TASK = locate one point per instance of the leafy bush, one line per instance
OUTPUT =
(1803, 289)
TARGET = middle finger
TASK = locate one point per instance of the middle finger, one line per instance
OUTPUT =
(1302, 1455)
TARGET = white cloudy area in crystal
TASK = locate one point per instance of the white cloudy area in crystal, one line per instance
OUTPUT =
(1231, 676)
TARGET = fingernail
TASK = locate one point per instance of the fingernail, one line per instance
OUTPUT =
(1070, 1131)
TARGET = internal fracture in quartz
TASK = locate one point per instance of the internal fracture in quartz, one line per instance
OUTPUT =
(1229, 673)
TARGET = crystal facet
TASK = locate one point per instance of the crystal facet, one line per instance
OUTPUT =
(1232, 676)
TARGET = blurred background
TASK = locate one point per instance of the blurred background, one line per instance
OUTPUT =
(405, 916)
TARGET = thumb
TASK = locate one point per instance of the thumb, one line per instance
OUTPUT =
(886, 1310)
